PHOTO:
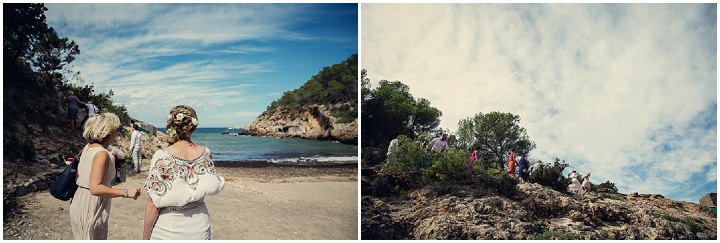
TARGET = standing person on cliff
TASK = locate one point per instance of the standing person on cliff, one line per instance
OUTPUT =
(439, 144)
(91, 111)
(179, 179)
(135, 142)
(73, 104)
(511, 162)
(90, 206)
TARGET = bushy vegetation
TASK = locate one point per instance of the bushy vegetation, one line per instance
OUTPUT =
(496, 134)
(332, 85)
(389, 110)
(36, 77)
(551, 175)
(413, 162)
(694, 227)
(607, 187)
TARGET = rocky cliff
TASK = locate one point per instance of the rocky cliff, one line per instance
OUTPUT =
(472, 210)
(310, 122)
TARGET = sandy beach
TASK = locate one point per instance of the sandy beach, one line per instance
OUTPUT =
(259, 201)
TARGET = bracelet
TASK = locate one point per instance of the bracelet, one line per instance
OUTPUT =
(125, 193)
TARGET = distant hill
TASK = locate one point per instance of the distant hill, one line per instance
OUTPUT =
(325, 107)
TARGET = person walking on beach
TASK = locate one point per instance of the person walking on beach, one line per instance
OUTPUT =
(439, 144)
(135, 142)
(511, 162)
(73, 104)
(179, 179)
(90, 206)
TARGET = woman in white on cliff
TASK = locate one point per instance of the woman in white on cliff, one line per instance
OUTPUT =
(179, 179)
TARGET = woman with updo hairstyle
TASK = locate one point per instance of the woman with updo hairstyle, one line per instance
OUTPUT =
(90, 206)
(179, 179)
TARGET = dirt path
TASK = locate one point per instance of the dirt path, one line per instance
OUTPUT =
(280, 207)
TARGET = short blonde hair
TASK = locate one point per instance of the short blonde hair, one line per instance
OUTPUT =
(98, 128)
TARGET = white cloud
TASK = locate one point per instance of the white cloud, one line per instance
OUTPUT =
(592, 83)
(133, 49)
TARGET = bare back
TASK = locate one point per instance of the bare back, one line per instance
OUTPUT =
(186, 151)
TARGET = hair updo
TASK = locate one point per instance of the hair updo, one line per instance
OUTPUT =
(182, 122)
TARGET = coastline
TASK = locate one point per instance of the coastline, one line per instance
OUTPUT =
(261, 200)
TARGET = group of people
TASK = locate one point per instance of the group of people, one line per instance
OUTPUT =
(73, 103)
(179, 179)
(521, 167)
(575, 186)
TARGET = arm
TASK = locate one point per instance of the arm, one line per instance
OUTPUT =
(151, 215)
(97, 172)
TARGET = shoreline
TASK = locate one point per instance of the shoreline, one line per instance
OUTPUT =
(267, 163)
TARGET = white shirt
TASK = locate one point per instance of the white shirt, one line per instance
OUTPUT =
(393, 144)
(438, 145)
(175, 182)
(92, 109)
(135, 139)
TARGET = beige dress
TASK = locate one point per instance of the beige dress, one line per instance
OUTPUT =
(89, 214)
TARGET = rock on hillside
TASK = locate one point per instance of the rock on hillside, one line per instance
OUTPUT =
(533, 212)
(310, 122)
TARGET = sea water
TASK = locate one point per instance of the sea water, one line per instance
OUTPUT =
(243, 148)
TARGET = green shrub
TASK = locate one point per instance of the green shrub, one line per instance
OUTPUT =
(607, 187)
(552, 176)
(694, 227)
(413, 162)
(346, 113)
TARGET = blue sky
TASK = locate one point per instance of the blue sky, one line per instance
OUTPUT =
(228, 61)
(625, 91)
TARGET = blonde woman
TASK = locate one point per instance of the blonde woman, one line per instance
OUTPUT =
(179, 179)
(90, 206)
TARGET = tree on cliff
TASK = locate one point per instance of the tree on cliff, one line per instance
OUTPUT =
(495, 133)
(390, 110)
(336, 84)
(35, 71)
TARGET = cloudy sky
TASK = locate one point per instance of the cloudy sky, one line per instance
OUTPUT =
(228, 61)
(625, 91)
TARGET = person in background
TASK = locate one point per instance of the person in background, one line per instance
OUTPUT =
(393, 144)
(586, 183)
(135, 142)
(474, 156)
(90, 206)
(511, 162)
(91, 110)
(523, 169)
(390, 156)
(73, 104)
(439, 144)
(119, 161)
(535, 167)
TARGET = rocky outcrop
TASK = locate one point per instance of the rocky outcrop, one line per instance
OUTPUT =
(310, 122)
(473, 211)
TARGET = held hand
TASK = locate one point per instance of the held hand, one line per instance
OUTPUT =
(133, 193)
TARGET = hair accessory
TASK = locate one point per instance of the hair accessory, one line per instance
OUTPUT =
(195, 121)
(171, 132)
(179, 116)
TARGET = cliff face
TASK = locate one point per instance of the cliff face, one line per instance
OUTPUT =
(310, 122)
(533, 212)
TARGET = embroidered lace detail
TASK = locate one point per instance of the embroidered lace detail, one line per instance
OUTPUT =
(162, 175)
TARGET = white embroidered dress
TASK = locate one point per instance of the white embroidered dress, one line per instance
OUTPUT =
(177, 187)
